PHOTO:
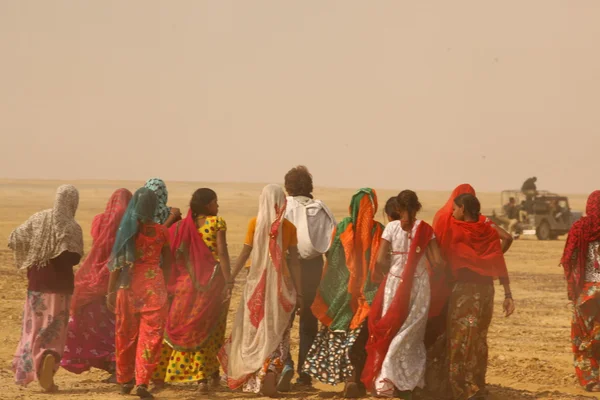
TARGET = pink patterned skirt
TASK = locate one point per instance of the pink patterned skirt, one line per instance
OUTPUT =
(90, 339)
(44, 331)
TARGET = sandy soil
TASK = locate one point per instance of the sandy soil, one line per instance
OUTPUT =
(529, 352)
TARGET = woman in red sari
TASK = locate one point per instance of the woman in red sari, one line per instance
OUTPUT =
(91, 331)
(474, 253)
(441, 285)
(138, 293)
(581, 261)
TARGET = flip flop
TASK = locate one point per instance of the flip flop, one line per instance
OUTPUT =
(47, 373)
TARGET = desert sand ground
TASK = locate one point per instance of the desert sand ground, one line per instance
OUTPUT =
(529, 352)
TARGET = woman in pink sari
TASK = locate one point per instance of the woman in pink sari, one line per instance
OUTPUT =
(91, 330)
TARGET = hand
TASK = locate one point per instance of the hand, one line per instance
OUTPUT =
(508, 307)
(176, 213)
(111, 301)
(227, 292)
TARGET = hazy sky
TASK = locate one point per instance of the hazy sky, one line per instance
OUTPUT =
(395, 94)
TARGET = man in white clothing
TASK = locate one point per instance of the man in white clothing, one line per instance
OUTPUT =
(314, 224)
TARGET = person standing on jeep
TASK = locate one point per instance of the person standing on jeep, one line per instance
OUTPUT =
(529, 187)
(315, 224)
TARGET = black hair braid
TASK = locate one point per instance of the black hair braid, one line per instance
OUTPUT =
(391, 209)
(408, 201)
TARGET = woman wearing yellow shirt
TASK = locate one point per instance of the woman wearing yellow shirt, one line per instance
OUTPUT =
(200, 286)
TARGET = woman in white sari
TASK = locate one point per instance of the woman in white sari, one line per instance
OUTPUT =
(254, 356)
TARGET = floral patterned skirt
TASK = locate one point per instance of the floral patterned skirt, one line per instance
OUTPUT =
(585, 335)
(90, 339)
(44, 331)
(336, 357)
(274, 363)
(469, 316)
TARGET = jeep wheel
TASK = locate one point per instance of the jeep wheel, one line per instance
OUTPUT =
(543, 231)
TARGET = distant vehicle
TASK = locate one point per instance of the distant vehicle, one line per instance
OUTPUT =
(539, 218)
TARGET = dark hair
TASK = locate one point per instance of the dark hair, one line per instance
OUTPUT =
(408, 201)
(512, 199)
(391, 209)
(471, 204)
(145, 202)
(200, 199)
(298, 181)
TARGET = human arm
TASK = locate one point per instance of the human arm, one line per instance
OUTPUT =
(111, 297)
(167, 261)
(434, 255)
(174, 216)
(505, 238)
(294, 266)
(383, 263)
(509, 305)
(224, 260)
(241, 261)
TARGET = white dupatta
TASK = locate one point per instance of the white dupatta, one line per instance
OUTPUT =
(269, 298)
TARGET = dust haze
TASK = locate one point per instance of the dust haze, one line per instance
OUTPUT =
(390, 94)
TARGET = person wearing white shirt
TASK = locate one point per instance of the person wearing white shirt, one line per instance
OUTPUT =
(314, 224)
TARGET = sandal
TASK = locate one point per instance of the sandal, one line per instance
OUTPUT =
(126, 388)
(269, 386)
(593, 387)
(46, 379)
(203, 386)
(143, 393)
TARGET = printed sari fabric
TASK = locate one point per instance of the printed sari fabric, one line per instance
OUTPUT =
(44, 332)
(198, 316)
(141, 309)
(398, 316)
(585, 335)
(259, 341)
(347, 289)
(441, 288)
(90, 339)
(583, 232)
(470, 314)
(91, 333)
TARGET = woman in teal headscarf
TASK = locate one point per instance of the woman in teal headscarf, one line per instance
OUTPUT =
(138, 293)
(164, 214)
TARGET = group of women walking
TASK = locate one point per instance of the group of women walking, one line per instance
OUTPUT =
(401, 306)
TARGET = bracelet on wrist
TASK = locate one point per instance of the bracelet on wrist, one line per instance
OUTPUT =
(508, 295)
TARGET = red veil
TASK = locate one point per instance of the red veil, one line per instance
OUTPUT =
(91, 279)
(476, 246)
(440, 288)
(197, 285)
(383, 328)
(582, 233)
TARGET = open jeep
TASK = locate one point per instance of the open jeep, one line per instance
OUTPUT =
(546, 215)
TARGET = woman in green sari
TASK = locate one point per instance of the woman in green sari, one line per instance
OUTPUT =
(344, 297)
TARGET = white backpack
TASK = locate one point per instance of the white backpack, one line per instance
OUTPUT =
(316, 241)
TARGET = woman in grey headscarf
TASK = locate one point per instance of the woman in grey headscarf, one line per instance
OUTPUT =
(47, 246)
